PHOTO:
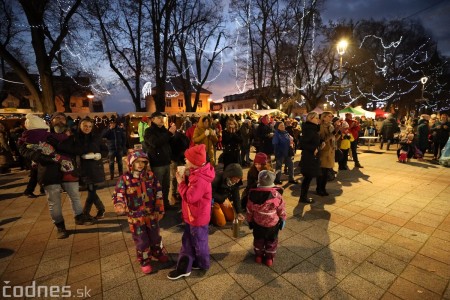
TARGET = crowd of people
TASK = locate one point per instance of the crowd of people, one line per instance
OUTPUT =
(180, 169)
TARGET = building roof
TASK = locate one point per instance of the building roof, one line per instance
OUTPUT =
(268, 91)
(175, 84)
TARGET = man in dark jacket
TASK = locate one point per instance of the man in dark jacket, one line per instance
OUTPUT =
(388, 129)
(116, 138)
(264, 133)
(51, 177)
(157, 140)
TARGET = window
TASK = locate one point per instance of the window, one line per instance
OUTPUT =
(200, 104)
(168, 102)
(180, 102)
(73, 104)
(85, 103)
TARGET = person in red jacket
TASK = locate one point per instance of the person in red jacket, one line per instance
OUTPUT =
(196, 193)
(354, 129)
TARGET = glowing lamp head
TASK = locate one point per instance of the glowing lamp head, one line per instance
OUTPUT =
(424, 80)
(342, 46)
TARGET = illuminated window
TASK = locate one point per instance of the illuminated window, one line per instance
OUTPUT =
(180, 102)
(199, 103)
(168, 102)
(73, 104)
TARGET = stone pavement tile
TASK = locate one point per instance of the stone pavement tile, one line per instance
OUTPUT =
(344, 212)
(447, 292)
(368, 212)
(14, 234)
(351, 249)
(425, 279)
(56, 278)
(117, 276)
(397, 251)
(410, 291)
(302, 246)
(12, 245)
(279, 288)
(336, 218)
(217, 238)
(396, 218)
(333, 263)
(338, 294)
(83, 256)
(360, 288)
(31, 245)
(375, 274)
(110, 237)
(52, 266)
(112, 248)
(171, 235)
(88, 287)
(20, 276)
(80, 272)
(438, 243)
(229, 254)
(382, 210)
(80, 236)
(56, 243)
(353, 207)
(424, 262)
(24, 262)
(378, 233)
(320, 235)
(444, 235)
(413, 234)
(389, 296)
(428, 219)
(388, 263)
(116, 260)
(129, 290)
(436, 253)
(252, 276)
(225, 287)
(445, 226)
(405, 242)
(355, 224)
(344, 231)
(386, 226)
(368, 240)
(185, 294)
(436, 210)
(310, 279)
(85, 244)
(363, 219)
(284, 260)
(54, 253)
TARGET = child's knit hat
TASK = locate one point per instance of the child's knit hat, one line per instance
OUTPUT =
(196, 155)
(266, 178)
(35, 122)
(260, 158)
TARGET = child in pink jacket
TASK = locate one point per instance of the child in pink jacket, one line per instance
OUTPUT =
(196, 195)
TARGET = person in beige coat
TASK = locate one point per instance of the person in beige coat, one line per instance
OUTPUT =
(327, 152)
(205, 135)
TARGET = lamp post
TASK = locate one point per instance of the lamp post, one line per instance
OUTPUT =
(341, 47)
(423, 80)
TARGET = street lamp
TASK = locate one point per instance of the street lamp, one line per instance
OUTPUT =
(423, 80)
(341, 47)
(90, 95)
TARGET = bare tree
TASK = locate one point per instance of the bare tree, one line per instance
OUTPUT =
(44, 50)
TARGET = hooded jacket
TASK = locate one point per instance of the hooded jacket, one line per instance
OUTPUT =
(196, 195)
(221, 190)
(265, 206)
(139, 192)
(209, 141)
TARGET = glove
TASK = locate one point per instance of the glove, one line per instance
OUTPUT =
(281, 224)
(206, 132)
(88, 156)
(250, 225)
(97, 156)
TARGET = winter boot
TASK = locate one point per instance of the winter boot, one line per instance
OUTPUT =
(304, 195)
(61, 231)
(181, 270)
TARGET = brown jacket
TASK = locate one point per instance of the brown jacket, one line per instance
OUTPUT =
(209, 141)
(327, 153)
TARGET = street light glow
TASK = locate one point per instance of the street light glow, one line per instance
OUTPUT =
(341, 47)
(424, 80)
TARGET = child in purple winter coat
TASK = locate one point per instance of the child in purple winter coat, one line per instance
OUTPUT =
(196, 194)
(266, 215)
(138, 193)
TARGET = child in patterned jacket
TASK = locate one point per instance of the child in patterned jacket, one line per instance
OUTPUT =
(138, 193)
(266, 215)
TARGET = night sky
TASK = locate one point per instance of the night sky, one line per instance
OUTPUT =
(434, 15)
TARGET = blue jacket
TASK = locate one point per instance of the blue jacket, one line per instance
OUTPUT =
(281, 143)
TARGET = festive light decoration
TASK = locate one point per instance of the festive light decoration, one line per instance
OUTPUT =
(147, 89)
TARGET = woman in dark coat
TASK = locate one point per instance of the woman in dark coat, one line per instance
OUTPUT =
(231, 141)
(91, 165)
(310, 162)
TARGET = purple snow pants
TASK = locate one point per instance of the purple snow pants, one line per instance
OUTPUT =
(194, 245)
(265, 240)
(146, 238)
